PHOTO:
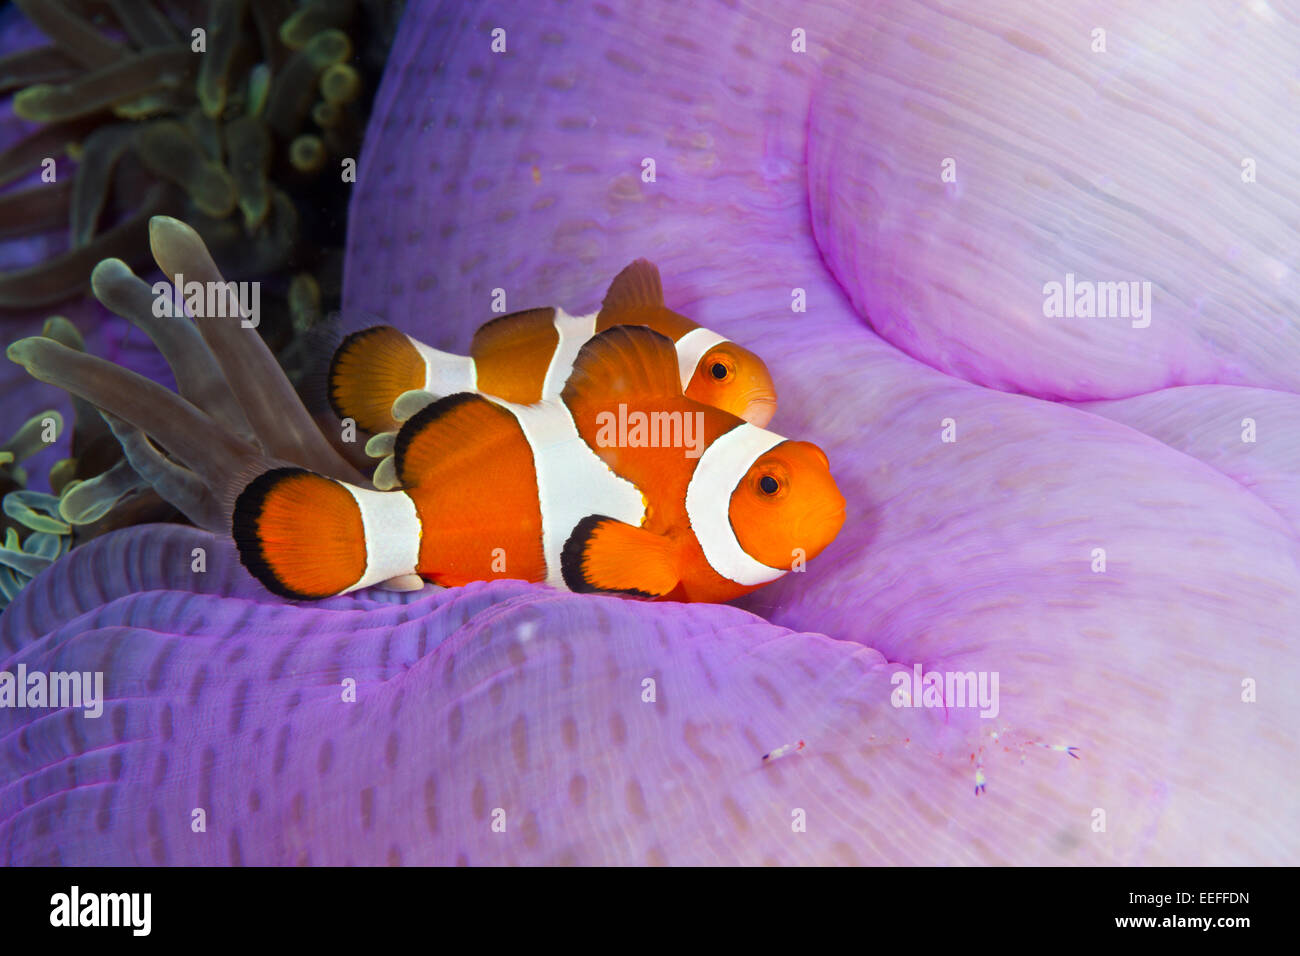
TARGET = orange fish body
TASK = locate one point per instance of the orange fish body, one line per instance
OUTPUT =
(622, 485)
(526, 357)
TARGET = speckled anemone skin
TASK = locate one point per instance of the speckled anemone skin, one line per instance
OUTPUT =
(778, 170)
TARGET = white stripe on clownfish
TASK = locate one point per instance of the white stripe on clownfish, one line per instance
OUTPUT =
(691, 348)
(527, 357)
(537, 483)
(445, 373)
(574, 332)
(717, 474)
(391, 531)
(564, 462)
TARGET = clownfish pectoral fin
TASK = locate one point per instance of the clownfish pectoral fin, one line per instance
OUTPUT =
(370, 369)
(635, 289)
(408, 403)
(624, 363)
(613, 557)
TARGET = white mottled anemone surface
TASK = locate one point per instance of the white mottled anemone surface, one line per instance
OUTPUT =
(506, 696)
(778, 171)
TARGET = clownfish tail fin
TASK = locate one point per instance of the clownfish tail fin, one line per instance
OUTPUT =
(369, 370)
(306, 536)
(299, 534)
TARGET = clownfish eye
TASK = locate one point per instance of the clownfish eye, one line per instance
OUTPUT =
(719, 371)
(769, 485)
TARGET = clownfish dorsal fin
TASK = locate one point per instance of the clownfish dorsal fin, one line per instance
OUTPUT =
(626, 362)
(636, 288)
(609, 556)
(432, 443)
(636, 297)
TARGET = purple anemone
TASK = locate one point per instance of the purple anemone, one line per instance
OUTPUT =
(1100, 512)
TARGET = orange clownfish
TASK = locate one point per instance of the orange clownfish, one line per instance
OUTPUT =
(622, 485)
(526, 357)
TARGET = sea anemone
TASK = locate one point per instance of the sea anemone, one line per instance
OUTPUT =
(235, 410)
(224, 112)
(244, 118)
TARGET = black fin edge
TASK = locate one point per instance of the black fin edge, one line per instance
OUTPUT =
(243, 528)
(571, 560)
(345, 346)
(416, 423)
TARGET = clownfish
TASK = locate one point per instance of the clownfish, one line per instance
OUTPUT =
(552, 492)
(526, 357)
